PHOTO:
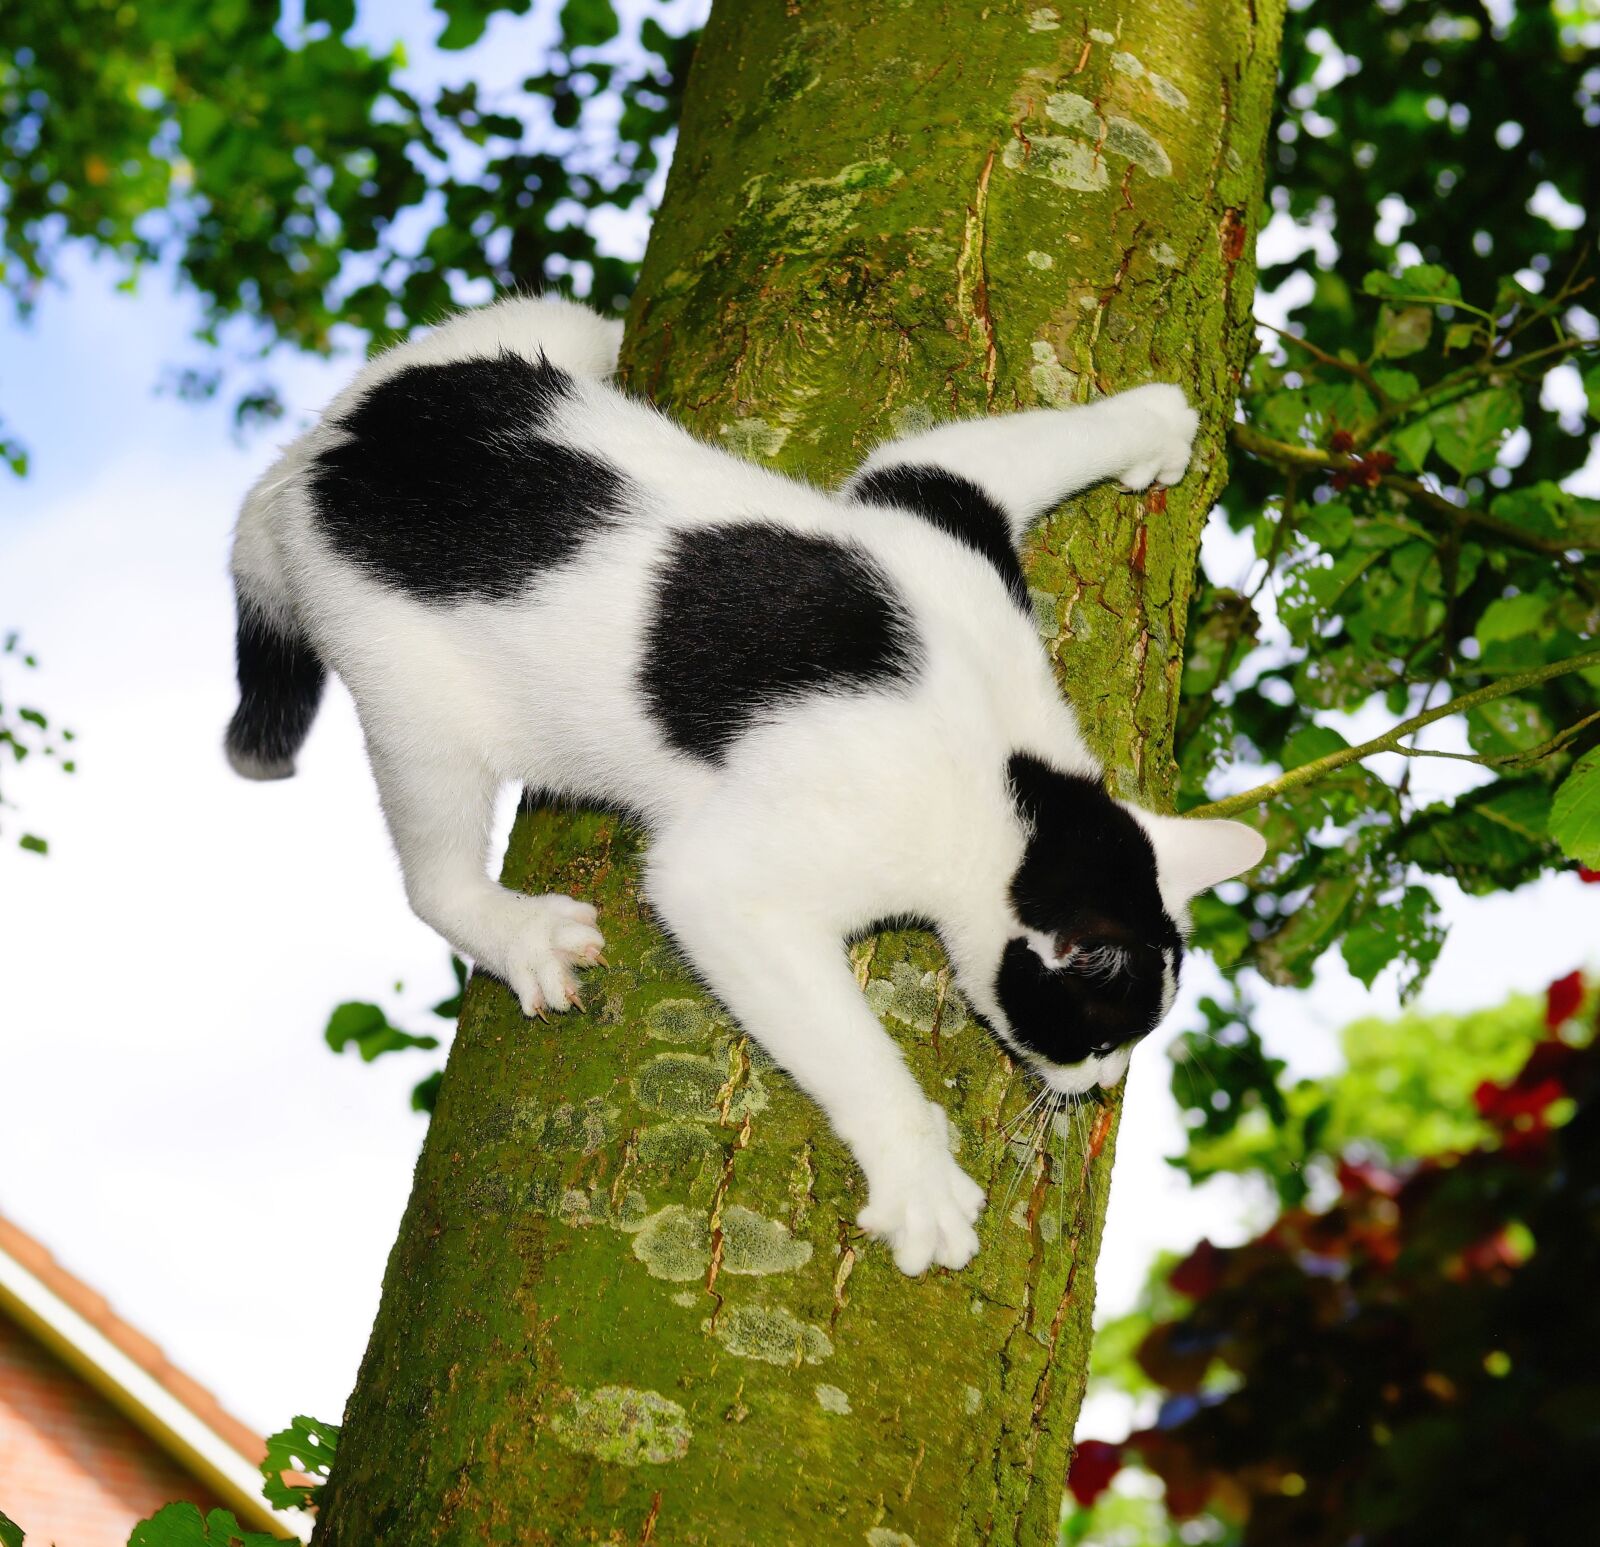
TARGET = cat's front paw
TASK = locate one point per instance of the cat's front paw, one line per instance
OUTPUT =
(1158, 427)
(922, 1205)
(556, 935)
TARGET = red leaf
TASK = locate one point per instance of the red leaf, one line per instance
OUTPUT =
(1562, 998)
(1506, 1103)
(1493, 1251)
(1094, 1464)
(1342, 442)
(1585, 874)
(1358, 1176)
(1198, 1274)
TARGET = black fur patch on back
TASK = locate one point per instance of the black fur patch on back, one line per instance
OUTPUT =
(752, 615)
(954, 505)
(446, 487)
(1088, 879)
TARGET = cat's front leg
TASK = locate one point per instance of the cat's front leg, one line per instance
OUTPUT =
(977, 475)
(789, 985)
(439, 809)
(920, 1202)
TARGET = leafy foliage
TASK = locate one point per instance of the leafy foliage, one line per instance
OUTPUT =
(297, 181)
(1397, 1366)
(1399, 590)
(1575, 811)
(1404, 1092)
(26, 732)
(182, 1525)
(10, 1532)
(305, 1449)
(1400, 470)
(368, 1029)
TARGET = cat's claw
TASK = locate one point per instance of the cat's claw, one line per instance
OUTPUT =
(558, 937)
(1159, 426)
(923, 1207)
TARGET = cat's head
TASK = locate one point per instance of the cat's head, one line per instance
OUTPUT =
(1100, 909)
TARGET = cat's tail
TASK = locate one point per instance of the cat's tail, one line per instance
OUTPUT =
(280, 675)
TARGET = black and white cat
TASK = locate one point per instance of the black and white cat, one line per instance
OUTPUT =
(829, 709)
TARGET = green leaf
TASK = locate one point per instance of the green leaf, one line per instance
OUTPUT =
(1506, 725)
(1398, 385)
(450, 1009)
(465, 20)
(10, 1532)
(586, 23)
(1575, 812)
(1402, 331)
(1459, 335)
(1491, 839)
(182, 1525)
(1423, 282)
(1468, 433)
(1512, 617)
(307, 1446)
(1405, 930)
(1287, 955)
(33, 843)
(1591, 389)
(425, 1093)
(1543, 508)
(339, 14)
(369, 1029)
(1411, 444)
(1329, 526)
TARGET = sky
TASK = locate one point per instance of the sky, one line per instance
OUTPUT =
(171, 1124)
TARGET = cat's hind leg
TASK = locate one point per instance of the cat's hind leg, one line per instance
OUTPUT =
(439, 809)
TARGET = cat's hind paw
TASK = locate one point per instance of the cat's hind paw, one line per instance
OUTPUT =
(557, 936)
(923, 1209)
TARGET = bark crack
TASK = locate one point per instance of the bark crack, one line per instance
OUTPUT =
(972, 277)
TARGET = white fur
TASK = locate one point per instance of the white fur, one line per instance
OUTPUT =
(839, 811)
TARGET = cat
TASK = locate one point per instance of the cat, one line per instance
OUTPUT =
(827, 709)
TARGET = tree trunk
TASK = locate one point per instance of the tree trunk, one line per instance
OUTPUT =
(628, 1302)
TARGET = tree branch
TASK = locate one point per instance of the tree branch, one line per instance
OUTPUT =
(1289, 456)
(1517, 760)
(1320, 767)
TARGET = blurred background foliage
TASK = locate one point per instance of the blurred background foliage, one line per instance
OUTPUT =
(1404, 1357)
(1406, 534)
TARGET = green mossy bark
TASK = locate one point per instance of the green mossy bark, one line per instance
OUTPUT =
(628, 1303)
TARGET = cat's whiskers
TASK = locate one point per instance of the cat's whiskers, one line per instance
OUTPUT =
(1192, 1056)
(1045, 1105)
(1008, 1128)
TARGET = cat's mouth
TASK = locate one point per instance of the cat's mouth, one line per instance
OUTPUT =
(1098, 1069)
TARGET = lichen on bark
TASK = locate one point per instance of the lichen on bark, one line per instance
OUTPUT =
(628, 1270)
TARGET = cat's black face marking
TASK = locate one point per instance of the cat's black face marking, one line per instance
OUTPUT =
(954, 505)
(1088, 883)
(750, 615)
(445, 487)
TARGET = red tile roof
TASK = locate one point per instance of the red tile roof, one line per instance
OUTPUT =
(21, 1247)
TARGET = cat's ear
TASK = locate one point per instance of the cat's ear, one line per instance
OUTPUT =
(1193, 855)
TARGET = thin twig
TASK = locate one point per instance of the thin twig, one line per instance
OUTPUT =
(1390, 741)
